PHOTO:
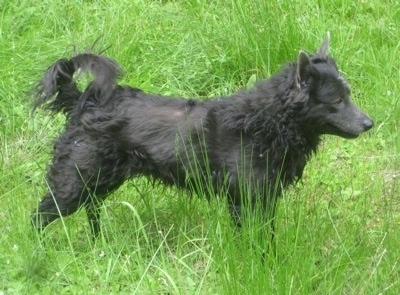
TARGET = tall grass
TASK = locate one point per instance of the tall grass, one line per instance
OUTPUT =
(337, 230)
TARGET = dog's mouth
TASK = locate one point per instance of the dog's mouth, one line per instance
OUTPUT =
(334, 130)
(348, 135)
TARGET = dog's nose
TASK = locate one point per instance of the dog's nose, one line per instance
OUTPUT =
(368, 124)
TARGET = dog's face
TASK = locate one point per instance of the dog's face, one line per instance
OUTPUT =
(329, 108)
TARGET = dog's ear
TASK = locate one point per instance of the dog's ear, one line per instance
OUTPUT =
(303, 70)
(323, 51)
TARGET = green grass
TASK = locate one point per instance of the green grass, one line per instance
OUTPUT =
(337, 230)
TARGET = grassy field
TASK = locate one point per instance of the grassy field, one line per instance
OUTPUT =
(337, 230)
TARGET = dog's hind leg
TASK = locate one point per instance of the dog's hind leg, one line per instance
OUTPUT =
(83, 172)
(53, 206)
(66, 194)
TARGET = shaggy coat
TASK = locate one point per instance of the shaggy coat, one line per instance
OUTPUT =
(253, 143)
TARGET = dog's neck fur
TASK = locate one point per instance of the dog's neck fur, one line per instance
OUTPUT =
(277, 130)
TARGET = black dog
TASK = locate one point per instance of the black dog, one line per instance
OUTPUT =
(253, 143)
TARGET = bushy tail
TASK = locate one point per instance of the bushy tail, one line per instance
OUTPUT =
(58, 92)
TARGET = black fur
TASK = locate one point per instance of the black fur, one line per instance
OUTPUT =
(259, 139)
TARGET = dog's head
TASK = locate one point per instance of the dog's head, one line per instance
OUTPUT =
(329, 109)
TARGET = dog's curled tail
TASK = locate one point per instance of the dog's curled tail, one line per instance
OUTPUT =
(58, 92)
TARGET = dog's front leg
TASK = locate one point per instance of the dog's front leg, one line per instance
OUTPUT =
(269, 212)
(93, 213)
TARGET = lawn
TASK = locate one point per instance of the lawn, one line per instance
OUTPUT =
(337, 229)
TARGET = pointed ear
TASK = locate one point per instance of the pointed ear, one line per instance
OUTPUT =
(323, 51)
(303, 69)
